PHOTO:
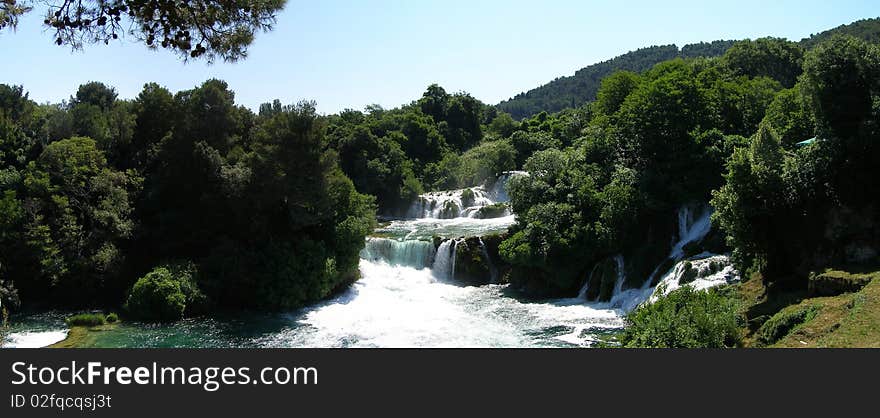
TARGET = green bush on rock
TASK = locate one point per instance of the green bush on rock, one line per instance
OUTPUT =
(685, 318)
(163, 295)
(495, 210)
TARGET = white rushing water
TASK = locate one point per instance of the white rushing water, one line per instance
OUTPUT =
(408, 296)
(393, 306)
(405, 300)
(33, 339)
(701, 272)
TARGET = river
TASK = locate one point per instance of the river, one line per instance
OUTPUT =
(408, 296)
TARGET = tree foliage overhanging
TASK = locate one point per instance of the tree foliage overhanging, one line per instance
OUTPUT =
(207, 29)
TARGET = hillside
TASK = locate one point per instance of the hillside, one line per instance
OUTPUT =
(573, 91)
(867, 29)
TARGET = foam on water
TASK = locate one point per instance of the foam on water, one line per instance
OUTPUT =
(33, 339)
(393, 306)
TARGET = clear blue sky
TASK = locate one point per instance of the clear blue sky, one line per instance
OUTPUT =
(348, 54)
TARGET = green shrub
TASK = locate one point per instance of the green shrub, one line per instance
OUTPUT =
(156, 297)
(86, 320)
(112, 318)
(496, 210)
(784, 322)
(685, 318)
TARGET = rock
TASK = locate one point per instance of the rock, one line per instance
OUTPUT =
(497, 210)
(688, 274)
(467, 198)
(602, 280)
(835, 282)
(471, 264)
(449, 210)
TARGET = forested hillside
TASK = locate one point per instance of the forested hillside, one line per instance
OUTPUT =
(867, 29)
(573, 91)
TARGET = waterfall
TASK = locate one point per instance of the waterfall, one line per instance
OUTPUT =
(690, 229)
(410, 253)
(453, 256)
(498, 192)
(493, 272)
(700, 272)
(621, 275)
(444, 261)
(461, 203)
(582, 294)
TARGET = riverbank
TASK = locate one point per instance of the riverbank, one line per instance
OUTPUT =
(812, 316)
(82, 336)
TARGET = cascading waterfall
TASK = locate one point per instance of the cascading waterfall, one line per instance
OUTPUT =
(621, 275)
(701, 272)
(690, 229)
(444, 261)
(493, 271)
(453, 257)
(582, 294)
(411, 253)
(462, 203)
(498, 192)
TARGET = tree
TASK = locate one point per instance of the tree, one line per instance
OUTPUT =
(76, 217)
(615, 88)
(503, 125)
(207, 29)
(152, 109)
(841, 78)
(685, 318)
(95, 94)
(791, 116)
(434, 102)
(750, 208)
(157, 297)
(776, 58)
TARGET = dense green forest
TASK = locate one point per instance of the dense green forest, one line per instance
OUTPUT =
(173, 204)
(581, 88)
(724, 129)
(227, 208)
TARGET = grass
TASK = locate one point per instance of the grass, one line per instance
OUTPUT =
(835, 282)
(792, 318)
(82, 336)
(83, 329)
(787, 320)
(86, 319)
